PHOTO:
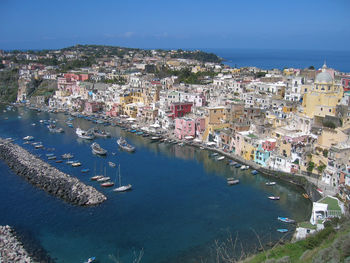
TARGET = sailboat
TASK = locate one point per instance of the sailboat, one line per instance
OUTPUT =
(122, 188)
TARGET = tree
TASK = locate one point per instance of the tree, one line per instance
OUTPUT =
(312, 67)
(325, 153)
(321, 168)
(310, 166)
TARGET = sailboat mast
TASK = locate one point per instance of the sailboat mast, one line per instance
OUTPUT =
(120, 180)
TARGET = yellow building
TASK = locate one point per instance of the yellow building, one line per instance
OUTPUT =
(216, 119)
(323, 97)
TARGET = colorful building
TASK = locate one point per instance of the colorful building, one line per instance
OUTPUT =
(180, 109)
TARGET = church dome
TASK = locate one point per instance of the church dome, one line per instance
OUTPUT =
(324, 77)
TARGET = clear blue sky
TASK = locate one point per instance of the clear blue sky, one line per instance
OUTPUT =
(272, 24)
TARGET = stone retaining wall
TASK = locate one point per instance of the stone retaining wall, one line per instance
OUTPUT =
(47, 177)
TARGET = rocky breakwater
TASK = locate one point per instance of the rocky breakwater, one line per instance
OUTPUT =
(11, 249)
(48, 178)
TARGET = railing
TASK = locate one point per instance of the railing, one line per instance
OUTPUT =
(334, 213)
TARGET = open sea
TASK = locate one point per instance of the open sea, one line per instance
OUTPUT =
(179, 206)
(271, 58)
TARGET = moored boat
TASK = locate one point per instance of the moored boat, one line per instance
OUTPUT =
(254, 172)
(103, 179)
(84, 134)
(96, 177)
(111, 164)
(67, 156)
(107, 184)
(76, 164)
(270, 183)
(124, 145)
(155, 138)
(220, 158)
(101, 133)
(274, 197)
(122, 188)
(285, 219)
(231, 181)
(97, 149)
(28, 138)
(282, 230)
(85, 170)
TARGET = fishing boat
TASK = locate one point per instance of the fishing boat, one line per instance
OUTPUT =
(97, 149)
(111, 164)
(306, 196)
(232, 181)
(282, 230)
(286, 219)
(85, 170)
(28, 138)
(220, 158)
(84, 134)
(270, 183)
(38, 146)
(102, 134)
(122, 188)
(51, 157)
(76, 164)
(67, 156)
(124, 145)
(274, 197)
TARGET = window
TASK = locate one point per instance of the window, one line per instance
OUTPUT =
(330, 110)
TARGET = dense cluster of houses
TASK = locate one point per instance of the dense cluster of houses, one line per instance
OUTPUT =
(295, 121)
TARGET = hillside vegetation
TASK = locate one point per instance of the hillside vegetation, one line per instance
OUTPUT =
(331, 245)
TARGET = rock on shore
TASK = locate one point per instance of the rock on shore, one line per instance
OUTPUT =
(47, 177)
(11, 249)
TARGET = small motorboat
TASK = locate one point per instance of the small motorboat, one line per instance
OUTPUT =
(270, 183)
(76, 164)
(220, 158)
(285, 219)
(254, 172)
(59, 161)
(282, 230)
(67, 156)
(85, 170)
(51, 157)
(231, 181)
(244, 167)
(111, 164)
(28, 138)
(274, 197)
(155, 138)
(214, 154)
(49, 154)
(90, 260)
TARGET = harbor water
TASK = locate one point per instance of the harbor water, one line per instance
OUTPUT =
(179, 206)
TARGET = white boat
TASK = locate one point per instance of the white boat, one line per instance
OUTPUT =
(244, 167)
(111, 164)
(274, 197)
(96, 177)
(103, 179)
(270, 183)
(84, 134)
(231, 181)
(97, 149)
(220, 158)
(76, 164)
(122, 188)
(67, 156)
(155, 138)
(28, 138)
(124, 145)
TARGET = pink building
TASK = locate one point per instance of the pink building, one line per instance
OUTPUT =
(189, 127)
(185, 127)
(76, 77)
(91, 107)
(114, 111)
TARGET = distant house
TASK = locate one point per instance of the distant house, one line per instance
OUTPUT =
(92, 107)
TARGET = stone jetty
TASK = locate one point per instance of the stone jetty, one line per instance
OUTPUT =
(11, 249)
(47, 177)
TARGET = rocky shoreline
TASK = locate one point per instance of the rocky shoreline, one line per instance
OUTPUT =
(11, 249)
(48, 178)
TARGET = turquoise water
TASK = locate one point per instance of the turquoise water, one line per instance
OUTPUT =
(180, 202)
